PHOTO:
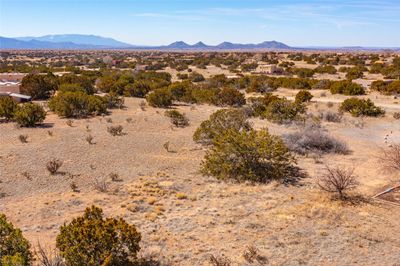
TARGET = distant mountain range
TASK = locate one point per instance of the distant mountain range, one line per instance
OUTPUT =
(79, 41)
(88, 42)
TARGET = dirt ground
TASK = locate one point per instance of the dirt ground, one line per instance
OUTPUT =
(185, 217)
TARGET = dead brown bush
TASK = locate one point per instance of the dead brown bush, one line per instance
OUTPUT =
(219, 260)
(100, 185)
(390, 158)
(48, 257)
(23, 138)
(53, 165)
(115, 130)
(338, 180)
(252, 254)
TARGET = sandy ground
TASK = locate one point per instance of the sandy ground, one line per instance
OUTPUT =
(185, 217)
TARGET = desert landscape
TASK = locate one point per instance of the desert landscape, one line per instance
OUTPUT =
(139, 160)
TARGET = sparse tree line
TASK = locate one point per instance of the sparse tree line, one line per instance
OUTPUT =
(73, 96)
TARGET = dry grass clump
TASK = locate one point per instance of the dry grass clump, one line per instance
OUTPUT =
(26, 175)
(177, 119)
(100, 185)
(115, 130)
(89, 139)
(252, 254)
(53, 166)
(314, 139)
(338, 180)
(220, 260)
(166, 146)
(181, 196)
(115, 177)
(69, 123)
(396, 115)
(74, 187)
(48, 257)
(331, 117)
(23, 138)
(143, 105)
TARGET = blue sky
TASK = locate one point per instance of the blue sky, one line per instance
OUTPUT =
(153, 22)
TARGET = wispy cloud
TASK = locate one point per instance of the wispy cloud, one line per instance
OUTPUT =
(340, 14)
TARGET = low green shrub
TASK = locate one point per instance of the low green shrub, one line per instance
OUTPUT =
(254, 156)
(94, 240)
(29, 115)
(14, 248)
(218, 123)
(138, 89)
(39, 87)
(354, 73)
(77, 105)
(204, 95)
(347, 88)
(323, 84)
(161, 98)
(284, 111)
(229, 97)
(7, 108)
(177, 119)
(386, 87)
(113, 100)
(303, 96)
(325, 69)
(196, 77)
(360, 107)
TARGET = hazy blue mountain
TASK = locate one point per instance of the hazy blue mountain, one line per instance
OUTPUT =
(10, 43)
(200, 45)
(273, 45)
(79, 39)
(227, 46)
(178, 45)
